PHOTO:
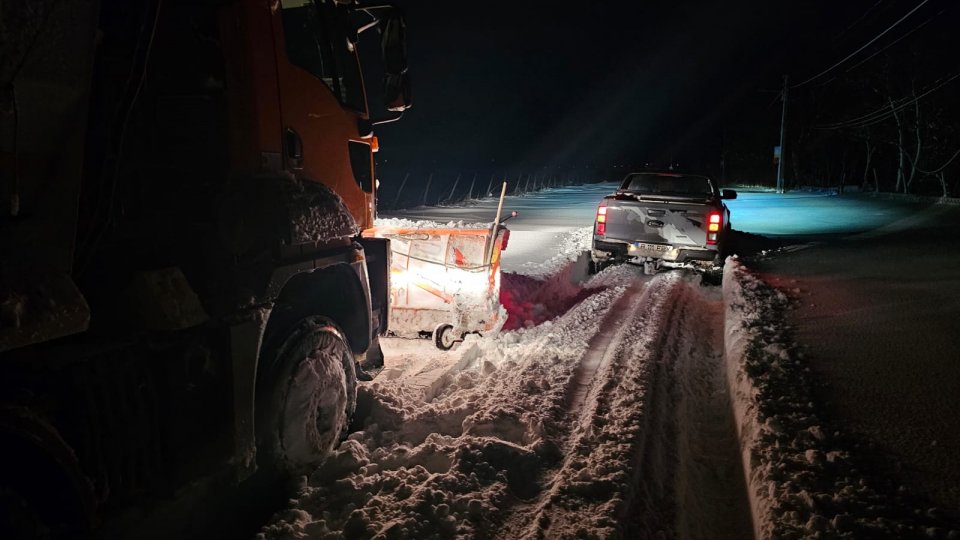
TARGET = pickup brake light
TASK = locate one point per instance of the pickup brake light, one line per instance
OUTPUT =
(714, 224)
(602, 219)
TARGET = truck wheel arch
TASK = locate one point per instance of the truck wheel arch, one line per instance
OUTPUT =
(33, 449)
(333, 292)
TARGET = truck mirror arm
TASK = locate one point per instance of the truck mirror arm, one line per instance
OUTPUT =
(389, 120)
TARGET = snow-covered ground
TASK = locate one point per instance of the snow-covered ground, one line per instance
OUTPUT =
(628, 405)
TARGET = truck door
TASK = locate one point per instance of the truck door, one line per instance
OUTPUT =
(322, 101)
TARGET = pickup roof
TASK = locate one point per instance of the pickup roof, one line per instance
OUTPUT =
(662, 216)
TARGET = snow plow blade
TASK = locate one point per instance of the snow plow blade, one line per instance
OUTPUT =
(444, 281)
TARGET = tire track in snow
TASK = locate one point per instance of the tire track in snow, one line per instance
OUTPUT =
(599, 345)
(559, 510)
(652, 451)
(711, 494)
(689, 480)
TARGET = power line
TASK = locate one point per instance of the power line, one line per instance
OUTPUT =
(865, 117)
(902, 106)
(938, 169)
(894, 42)
(885, 112)
(867, 44)
(860, 18)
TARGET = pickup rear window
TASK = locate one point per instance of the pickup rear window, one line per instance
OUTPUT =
(667, 184)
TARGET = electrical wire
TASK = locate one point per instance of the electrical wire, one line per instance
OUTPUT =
(866, 117)
(886, 112)
(867, 44)
(894, 42)
(938, 169)
(860, 18)
(902, 106)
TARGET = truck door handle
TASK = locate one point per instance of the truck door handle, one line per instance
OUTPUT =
(293, 145)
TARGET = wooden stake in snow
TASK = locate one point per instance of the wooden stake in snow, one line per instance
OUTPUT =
(503, 193)
(496, 224)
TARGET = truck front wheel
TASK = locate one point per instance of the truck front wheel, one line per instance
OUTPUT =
(314, 394)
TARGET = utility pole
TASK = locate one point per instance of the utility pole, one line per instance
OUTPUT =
(783, 128)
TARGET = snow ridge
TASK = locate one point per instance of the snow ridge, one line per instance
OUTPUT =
(802, 482)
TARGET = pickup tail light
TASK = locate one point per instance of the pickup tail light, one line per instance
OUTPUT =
(602, 219)
(714, 225)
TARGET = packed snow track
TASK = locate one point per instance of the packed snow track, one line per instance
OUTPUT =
(607, 417)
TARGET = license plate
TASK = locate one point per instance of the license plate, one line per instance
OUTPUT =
(649, 249)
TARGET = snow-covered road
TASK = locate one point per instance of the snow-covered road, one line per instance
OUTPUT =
(591, 423)
(611, 405)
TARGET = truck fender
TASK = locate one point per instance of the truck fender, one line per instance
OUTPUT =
(43, 470)
(335, 292)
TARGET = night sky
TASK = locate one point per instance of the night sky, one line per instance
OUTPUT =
(514, 85)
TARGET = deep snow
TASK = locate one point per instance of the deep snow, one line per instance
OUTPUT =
(603, 407)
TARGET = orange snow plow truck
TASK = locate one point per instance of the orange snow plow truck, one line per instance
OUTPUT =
(185, 292)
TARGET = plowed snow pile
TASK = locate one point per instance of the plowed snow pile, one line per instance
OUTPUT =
(803, 481)
(453, 464)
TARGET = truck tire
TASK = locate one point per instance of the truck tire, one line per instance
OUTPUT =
(313, 395)
(595, 266)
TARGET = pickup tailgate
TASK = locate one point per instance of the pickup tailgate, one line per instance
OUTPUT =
(657, 221)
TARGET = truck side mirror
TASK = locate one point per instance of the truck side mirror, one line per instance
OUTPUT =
(728, 194)
(396, 79)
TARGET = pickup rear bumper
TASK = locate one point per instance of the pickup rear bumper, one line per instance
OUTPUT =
(606, 250)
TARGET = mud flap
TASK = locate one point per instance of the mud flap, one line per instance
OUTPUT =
(372, 363)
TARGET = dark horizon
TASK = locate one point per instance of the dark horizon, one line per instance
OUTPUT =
(569, 86)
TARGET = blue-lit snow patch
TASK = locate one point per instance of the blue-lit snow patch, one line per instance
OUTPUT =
(812, 213)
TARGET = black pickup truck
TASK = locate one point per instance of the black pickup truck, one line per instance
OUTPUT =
(662, 216)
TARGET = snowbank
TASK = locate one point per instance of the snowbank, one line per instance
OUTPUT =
(803, 481)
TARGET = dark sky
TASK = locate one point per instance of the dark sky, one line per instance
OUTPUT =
(520, 84)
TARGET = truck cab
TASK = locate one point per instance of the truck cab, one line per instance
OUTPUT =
(181, 243)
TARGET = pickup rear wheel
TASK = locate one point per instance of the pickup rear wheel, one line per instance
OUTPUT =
(313, 395)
